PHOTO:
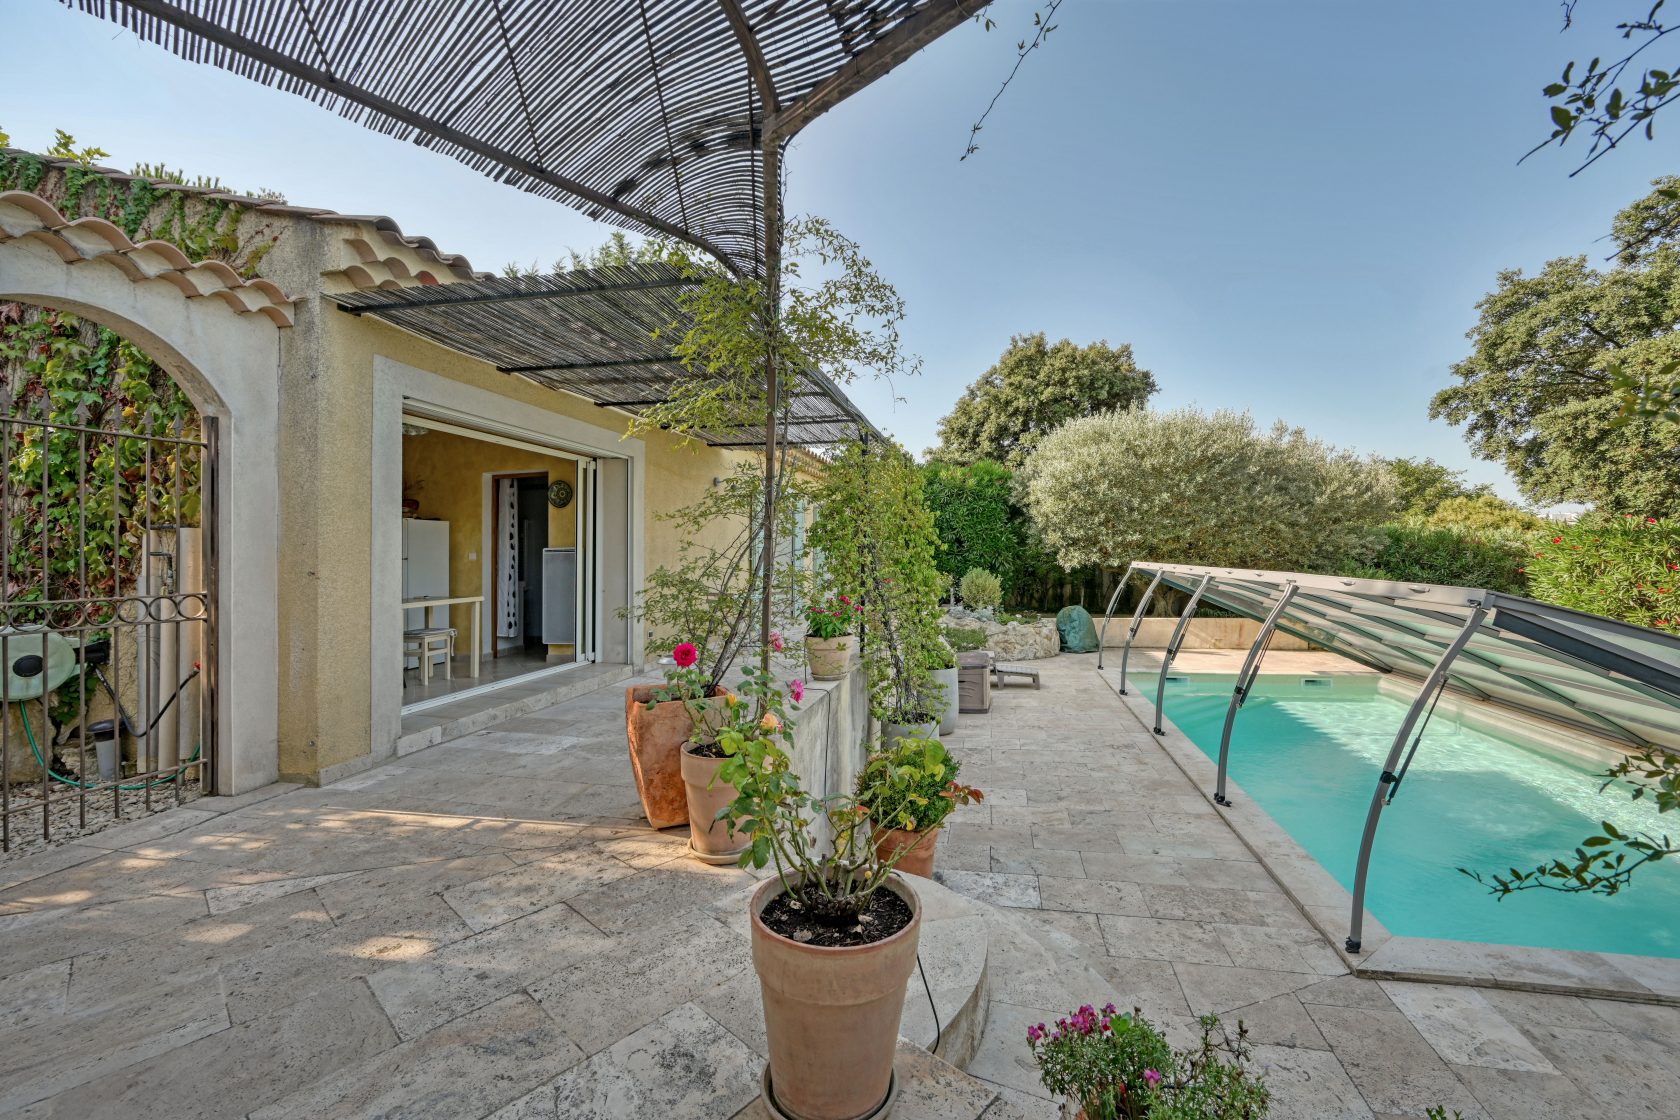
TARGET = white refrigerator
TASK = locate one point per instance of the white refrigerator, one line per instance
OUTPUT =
(425, 572)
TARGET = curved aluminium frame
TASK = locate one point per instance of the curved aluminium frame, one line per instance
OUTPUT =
(1245, 681)
(1173, 643)
(1102, 631)
(1131, 631)
(1436, 680)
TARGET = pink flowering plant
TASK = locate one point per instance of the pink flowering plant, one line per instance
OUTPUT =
(1119, 1067)
(687, 682)
(834, 617)
(822, 848)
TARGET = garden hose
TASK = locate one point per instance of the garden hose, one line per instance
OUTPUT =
(121, 720)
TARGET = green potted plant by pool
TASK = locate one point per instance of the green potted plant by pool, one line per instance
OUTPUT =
(909, 789)
(834, 930)
(1119, 1067)
(830, 637)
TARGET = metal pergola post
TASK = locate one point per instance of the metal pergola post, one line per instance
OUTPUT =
(1172, 646)
(1131, 631)
(1435, 681)
(1245, 681)
(1119, 590)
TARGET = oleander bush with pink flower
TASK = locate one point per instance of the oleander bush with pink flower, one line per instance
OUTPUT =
(1119, 1067)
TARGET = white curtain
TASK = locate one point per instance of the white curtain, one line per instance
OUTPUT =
(507, 558)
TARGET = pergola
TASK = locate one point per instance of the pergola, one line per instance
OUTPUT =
(668, 117)
(590, 332)
(1611, 678)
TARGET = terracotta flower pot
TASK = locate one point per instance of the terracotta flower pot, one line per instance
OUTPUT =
(656, 740)
(711, 840)
(920, 860)
(831, 658)
(832, 1014)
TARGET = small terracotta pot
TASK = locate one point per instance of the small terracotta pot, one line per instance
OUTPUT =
(920, 859)
(711, 840)
(656, 739)
(831, 658)
(832, 1015)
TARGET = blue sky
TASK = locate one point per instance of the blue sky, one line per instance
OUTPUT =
(1290, 207)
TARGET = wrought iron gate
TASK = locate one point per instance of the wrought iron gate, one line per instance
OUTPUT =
(107, 620)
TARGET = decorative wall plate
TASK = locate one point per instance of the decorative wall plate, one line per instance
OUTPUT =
(559, 493)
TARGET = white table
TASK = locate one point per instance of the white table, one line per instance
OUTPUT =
(474, 601)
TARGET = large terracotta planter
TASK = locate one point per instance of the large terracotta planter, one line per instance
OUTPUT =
(832, 1014)
(711, 840)
(656, 740)
(920, 859)
(831, 658)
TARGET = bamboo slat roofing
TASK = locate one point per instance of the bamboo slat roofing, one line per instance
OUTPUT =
(652, 114)
(590, 332)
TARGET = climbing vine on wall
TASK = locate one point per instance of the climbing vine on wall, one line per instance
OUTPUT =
(151, 207)
(82, 468)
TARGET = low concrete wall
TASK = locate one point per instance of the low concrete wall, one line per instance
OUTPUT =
(1204, 633)
(831, 737)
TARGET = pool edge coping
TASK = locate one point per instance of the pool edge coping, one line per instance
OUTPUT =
(1327, 906)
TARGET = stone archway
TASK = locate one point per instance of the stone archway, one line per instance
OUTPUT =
(221, 340)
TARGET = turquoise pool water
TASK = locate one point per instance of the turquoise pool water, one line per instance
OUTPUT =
(1310, 755)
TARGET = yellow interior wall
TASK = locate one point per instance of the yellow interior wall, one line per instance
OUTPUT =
(445, 473)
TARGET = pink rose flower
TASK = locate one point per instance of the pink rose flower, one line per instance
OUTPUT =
(798, 690)
(685, 655)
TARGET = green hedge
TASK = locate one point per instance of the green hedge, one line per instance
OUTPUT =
(1625, 567)
(1412, 554)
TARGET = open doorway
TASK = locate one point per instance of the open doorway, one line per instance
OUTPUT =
(492, 533)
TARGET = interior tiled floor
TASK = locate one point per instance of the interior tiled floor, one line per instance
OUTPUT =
(487, 928)
(510, 665)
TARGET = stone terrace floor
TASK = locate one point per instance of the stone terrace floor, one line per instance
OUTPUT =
(487, 928)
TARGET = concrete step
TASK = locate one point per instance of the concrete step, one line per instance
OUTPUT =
(443, 722)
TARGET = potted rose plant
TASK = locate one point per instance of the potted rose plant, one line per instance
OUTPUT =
(658, 720)
(909, 789)
(1118, 1067)
(711, 839)
(830, 637)
(834, 930)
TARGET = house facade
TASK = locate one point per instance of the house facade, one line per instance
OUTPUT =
(353, 466)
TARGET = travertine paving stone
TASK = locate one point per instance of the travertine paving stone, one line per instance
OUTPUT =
(486, 924)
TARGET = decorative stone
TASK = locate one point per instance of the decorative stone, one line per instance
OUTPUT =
(1012, 641)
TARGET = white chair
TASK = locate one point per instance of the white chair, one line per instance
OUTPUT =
(426, 641)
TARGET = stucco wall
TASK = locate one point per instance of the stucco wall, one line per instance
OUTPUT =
(328, 512)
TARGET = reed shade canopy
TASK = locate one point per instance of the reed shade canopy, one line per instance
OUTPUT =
(655, 115)
(590, 333)
(1612, 678)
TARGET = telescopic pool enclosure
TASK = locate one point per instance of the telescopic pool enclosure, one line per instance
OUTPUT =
(1611, 678)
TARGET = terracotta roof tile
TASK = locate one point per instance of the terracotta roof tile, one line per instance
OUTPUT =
(28, 216)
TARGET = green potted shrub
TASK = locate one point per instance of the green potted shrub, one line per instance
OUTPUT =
(831, 644)
(981, 591)
(834, 930)
(1118, 1067)
(909, 789)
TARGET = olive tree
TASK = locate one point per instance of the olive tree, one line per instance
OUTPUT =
(1198, 487)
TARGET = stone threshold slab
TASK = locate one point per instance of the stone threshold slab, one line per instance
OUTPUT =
(1385, 956)
(455, 718)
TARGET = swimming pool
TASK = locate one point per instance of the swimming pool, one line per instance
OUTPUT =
(1309, 752)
